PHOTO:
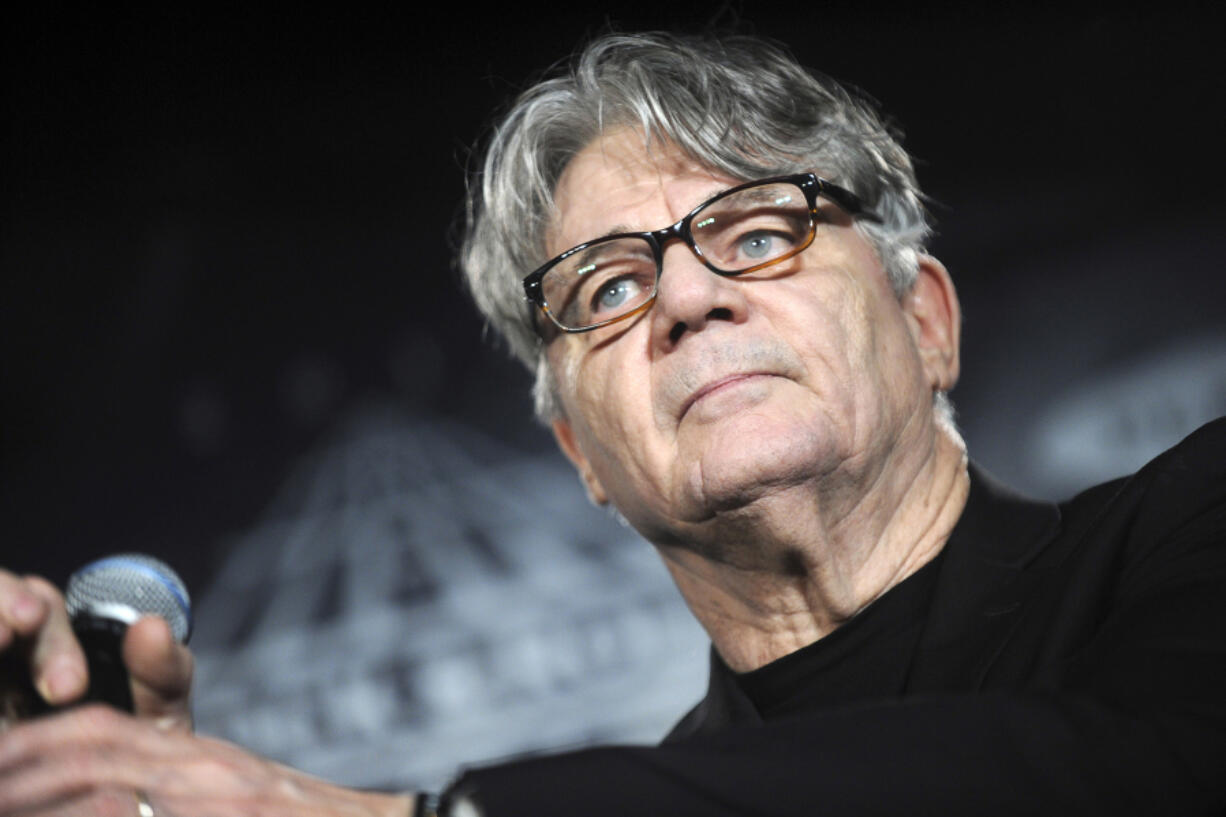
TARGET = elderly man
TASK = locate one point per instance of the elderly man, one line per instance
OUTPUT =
(742, 346)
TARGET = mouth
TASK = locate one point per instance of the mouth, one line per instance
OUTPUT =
(717, 386)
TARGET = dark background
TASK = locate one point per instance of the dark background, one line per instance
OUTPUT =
(223, 231)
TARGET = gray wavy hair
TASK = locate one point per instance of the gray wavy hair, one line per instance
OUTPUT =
(738, 105)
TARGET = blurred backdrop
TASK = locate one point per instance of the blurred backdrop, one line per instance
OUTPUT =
(233, 338)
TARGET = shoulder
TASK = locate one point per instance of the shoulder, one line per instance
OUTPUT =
(1170, 512)
(1182, 484)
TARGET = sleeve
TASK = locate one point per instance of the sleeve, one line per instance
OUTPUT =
(1135, 724)
(956, 755)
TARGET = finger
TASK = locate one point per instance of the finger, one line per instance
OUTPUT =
(58, 763)
(21, 612)
(89, 801)
(68, 760)
(96, 728)
(57, 664)
(64, 762)
(160, 669)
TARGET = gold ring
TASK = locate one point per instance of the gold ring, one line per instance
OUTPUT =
(143, 809)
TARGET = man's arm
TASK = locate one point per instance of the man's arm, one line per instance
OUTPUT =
(94, 760)
(1133, 721)
(956, 755)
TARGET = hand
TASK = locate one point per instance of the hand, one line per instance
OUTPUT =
(33, 621)
(93, 760)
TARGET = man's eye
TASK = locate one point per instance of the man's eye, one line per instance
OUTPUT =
(757, 245)
(615, 293)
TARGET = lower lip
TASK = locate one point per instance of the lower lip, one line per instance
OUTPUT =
(722, 387)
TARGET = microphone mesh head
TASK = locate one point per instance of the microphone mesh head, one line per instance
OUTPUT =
(127, 586)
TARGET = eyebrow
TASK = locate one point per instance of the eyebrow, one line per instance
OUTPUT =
(619, 229)
(588, 254)
(616, 229)
(762, 194)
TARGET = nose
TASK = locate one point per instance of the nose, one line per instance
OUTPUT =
(689, 297)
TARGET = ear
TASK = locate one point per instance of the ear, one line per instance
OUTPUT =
(565, 435)
(935, 318)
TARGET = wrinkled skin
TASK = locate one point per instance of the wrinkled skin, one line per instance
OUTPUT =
(772, 433)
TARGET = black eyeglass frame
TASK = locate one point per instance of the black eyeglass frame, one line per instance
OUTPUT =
(810, 183)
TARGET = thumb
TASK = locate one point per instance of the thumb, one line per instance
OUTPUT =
(160, 671)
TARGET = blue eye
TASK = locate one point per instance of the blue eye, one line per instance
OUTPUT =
(756, 244)
(616, 293)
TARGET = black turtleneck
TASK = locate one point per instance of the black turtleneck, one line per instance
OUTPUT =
(865, 658)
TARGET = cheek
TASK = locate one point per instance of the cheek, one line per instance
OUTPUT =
(857, 351)
(608, 403)
(830, 328)
(899, 380)
(565, 367)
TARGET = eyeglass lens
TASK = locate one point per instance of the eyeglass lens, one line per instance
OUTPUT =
(735, 233)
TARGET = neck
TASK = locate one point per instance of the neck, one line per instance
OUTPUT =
(804, 561)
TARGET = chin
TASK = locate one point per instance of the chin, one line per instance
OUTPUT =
(746, 463)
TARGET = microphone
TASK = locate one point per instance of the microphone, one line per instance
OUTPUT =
(103, 598)
(106, 597)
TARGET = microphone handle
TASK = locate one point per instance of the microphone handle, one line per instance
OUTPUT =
(102, 641)
(19, 700)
